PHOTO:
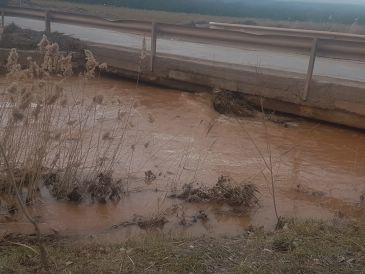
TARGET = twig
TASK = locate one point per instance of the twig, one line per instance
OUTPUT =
(26, 246)
(270, 163)
(134, 266)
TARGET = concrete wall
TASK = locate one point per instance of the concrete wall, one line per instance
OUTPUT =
(328, 99)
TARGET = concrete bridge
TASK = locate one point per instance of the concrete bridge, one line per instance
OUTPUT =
(313, 74)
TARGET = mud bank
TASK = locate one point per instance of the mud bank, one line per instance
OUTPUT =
(26, 39)
(26, 42)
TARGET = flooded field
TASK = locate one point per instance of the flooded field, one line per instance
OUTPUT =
(173, 138)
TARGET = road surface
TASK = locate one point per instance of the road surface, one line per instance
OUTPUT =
(290, 62)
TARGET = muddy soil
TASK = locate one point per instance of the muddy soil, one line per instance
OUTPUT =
(26, 42)
(26, 39)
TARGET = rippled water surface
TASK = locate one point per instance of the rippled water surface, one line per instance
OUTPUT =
(318, 169)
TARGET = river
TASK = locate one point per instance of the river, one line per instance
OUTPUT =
(318, 168)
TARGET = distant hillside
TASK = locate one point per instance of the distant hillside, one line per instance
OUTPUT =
(272, 9)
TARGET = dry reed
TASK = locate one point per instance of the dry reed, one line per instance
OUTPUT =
(50, 134)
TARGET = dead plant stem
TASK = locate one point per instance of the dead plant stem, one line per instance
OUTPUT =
(43, 253)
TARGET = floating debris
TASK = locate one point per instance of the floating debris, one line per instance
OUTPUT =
(105, 188)
(145, 223)
(233, 103)
(74, 195)
(225, 191)
(149, 177)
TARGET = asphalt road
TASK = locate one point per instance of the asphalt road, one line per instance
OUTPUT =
(334, 68)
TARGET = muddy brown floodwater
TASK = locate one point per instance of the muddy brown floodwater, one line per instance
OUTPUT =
(318, 169)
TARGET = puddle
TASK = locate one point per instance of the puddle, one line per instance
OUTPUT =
(318, 169)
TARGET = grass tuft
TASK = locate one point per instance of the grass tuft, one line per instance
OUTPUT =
(310, 247)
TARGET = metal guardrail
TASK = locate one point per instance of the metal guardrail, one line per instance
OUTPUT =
(49, 16)
(317, 43)
(261, 30)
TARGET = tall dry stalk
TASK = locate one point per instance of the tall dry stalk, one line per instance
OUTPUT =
(268, 163)
(43, 253)
(51, 133)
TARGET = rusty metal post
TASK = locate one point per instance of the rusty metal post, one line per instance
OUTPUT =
(310, 69)
(153, 44)
(47, 21)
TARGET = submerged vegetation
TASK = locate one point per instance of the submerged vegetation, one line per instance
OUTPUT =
(233, 103)
(240, 196)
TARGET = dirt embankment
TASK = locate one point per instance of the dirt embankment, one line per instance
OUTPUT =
(26, 42)
(26, 39)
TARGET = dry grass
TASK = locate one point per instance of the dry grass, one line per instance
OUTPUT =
(301, 247)
(185, 18)
(51, 135)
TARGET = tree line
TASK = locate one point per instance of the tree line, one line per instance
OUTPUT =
(270, 9)
(278, 10)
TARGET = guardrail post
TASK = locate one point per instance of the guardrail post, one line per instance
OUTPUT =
(310, 69)
(153, 44)
(47, 19)
(2, 18)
